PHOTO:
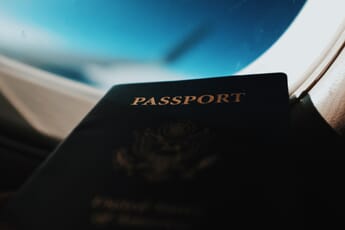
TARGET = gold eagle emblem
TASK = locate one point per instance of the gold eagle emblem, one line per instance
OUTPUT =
(173, 150)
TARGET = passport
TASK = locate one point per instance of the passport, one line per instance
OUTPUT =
(185, 154)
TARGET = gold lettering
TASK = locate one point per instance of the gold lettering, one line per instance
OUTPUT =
(164, 100)
(238, 96)
(201, 101)
(138, 100)
(224, 97)
(101, 218)
(176, 100)
(188, 99)
(150, 101)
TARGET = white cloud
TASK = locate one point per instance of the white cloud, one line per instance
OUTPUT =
(17, 35)
(134, 72)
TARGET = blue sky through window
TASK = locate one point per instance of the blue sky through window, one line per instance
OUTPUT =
(192, 38)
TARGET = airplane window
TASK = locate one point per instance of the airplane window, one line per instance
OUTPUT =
(69, 52)
(105, 42)
(58, 58)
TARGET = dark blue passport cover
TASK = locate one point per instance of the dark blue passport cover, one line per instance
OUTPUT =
(168, 155)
